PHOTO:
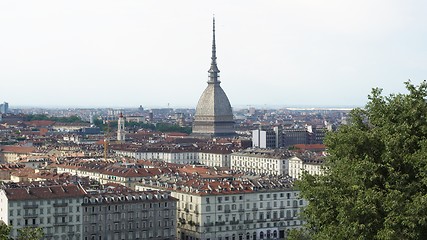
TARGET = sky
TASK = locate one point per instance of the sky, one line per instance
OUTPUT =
(156, 53)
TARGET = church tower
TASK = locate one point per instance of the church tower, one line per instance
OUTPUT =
(121, 134)
(214, 116)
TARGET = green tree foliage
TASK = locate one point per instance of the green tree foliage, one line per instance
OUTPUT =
(26, 233)
(71, 119)
(4, 231)
(161, 127)
(375, 184)
(30, 233)
(165, 127)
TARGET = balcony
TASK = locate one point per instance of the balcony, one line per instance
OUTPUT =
(60, 204)
(227, 210)
(31, 225)
(60, 224)
(219, 223)
(234, 222)
(248, 221)
(30, 206)
(241, 209)
(254, 209)
(261, 220)
(30, 215)
(60, 214)
(208, 224)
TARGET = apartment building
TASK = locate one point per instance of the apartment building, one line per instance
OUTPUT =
(107, 173)
(69, 211)
(232, 209)
(298, 165)
(261, 161)
(56, 209)
(129, 215)
(214, 156)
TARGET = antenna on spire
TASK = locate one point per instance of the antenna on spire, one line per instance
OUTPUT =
(213, 71)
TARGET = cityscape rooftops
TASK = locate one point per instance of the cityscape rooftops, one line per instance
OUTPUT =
(28, 192)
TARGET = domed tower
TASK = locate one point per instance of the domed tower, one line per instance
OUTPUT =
(214, 116)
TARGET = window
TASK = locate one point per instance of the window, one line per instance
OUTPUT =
(208, 208)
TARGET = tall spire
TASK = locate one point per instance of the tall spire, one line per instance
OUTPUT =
(213, 71)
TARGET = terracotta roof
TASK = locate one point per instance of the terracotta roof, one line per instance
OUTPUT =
(319, 147)
(40, 123)
(51, 192)
(17, 149)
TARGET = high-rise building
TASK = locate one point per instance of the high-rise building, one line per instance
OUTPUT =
(214, 116)
(4, 107)
(267, 138)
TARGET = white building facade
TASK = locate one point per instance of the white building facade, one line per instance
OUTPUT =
(297, 166)
(260, 162)
(212, 159)
(235, 213)
(55, 209)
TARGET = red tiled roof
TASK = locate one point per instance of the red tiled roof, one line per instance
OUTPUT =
(17, 149)
(40, 123)
(52, 192)
(310, 146)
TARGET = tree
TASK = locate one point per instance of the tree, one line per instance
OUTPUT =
(26, 233)
(30, 233)
(375, 181)
(4, 231)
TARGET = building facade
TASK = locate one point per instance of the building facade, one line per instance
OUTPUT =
(234, 209)
(129, 215)
(261, 161)
(299, 165)
(55, 209)
(69, 211)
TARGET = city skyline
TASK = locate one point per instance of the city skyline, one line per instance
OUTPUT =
(281, 54)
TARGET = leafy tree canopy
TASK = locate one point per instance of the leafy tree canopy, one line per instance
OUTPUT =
(71, 119)
(26, 233)
(30, 233)
(161, 127)
(375, 181)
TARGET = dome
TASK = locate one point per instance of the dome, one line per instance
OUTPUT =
(214, 116)
(214, 103)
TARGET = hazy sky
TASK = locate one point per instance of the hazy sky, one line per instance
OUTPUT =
(271, 53)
